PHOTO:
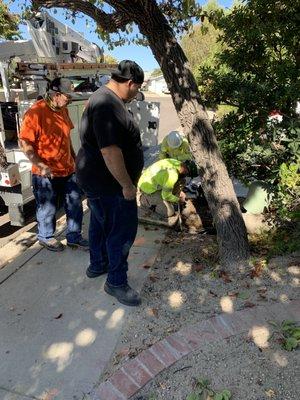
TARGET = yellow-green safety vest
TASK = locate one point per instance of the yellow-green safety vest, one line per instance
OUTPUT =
(162, 175)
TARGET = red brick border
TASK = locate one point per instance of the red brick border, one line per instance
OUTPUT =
(137, 372)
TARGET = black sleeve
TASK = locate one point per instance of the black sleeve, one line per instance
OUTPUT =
(108, 125)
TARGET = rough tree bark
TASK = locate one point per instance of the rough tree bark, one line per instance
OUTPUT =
(217, 186)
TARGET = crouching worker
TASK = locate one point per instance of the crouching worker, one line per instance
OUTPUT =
(160, 185)
(45, 139)
(176, 146)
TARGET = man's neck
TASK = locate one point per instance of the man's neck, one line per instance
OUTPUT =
(114, 87)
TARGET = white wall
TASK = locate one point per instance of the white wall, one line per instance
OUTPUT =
(157, 85)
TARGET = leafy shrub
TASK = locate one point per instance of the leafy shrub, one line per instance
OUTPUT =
(276, 242)
(257, 149)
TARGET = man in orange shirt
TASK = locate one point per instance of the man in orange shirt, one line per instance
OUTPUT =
(45, 139)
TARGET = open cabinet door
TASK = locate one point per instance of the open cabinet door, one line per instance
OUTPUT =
(146, 115)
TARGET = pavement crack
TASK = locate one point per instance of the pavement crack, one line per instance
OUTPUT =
(20, 266)
(18, 393)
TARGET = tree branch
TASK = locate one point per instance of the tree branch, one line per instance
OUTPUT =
(109, 22)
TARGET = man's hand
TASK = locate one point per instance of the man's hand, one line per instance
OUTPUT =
(182, 197)
(129, 192)
(29, 151)
(45, 170)
(114, 160)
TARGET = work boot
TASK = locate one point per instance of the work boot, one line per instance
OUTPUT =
(52, 244)
(124, 294)
(80, 244)
(94, 274)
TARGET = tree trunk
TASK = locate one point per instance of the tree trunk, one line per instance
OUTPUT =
(216, 184)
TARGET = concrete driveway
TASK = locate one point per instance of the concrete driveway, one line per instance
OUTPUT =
(58, 328)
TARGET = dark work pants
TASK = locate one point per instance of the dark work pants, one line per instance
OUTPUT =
(112, 231)
(47, 193)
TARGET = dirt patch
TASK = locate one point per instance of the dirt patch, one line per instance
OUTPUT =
(236, 365)
(186, 286)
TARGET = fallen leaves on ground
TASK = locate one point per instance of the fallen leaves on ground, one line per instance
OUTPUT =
(258, 268)
(248, 304)
(225, 276)
(153, 278)
(262, 296)
(198, 267)
(162, 385)
(261, 290)
(153, 312)
(270, 393)
(125, 352)
(233, 294)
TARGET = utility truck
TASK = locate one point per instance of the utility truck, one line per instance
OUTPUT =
(55, 51)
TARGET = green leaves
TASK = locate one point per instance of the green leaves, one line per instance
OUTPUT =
(224, 395)
(289, 175)
(203, 391)
(289, 333)
(8, 24)
(187, 5)
(290, 343)
(243, 295)
(193, 396)
(256, 71)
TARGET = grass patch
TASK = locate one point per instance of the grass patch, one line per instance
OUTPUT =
(276, 242)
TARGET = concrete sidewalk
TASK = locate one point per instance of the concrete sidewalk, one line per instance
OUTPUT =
(58, 328)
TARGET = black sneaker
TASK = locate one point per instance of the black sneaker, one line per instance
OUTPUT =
(81, 244)
(52, 245)
(94, 274)
(124, 294)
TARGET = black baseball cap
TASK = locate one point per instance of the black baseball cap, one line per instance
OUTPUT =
(61, 85)
(129, 70)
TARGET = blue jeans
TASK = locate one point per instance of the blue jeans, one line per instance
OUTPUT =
(112, 231)
(47, 193)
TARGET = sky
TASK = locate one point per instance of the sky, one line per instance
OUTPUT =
(142, 55)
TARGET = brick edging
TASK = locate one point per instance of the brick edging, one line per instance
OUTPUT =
(137, 372)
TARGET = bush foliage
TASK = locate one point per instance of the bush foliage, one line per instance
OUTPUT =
(257, 71)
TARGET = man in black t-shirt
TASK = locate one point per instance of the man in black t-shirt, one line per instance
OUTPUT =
(108, 166)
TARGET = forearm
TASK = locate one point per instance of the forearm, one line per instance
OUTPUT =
(169, 196)
(29, 151)
(113, 158)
